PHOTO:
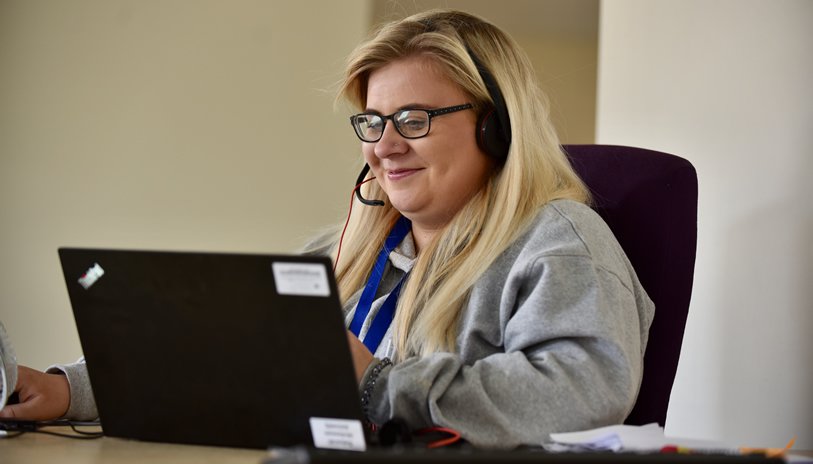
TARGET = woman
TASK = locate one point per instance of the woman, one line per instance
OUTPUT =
(482, 294)
(521, 315)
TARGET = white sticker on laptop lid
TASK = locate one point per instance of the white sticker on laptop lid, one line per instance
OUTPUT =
(91, 276)
(302, 279)
(343, 434)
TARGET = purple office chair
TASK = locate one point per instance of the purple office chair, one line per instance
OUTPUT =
(649, 200)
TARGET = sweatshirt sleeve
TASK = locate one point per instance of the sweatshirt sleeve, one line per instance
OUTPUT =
(83, 404)
(558, 348)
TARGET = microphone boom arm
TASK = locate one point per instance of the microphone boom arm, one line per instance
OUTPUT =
(360, 181)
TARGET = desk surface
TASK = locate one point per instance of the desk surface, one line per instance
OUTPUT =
(35, 447)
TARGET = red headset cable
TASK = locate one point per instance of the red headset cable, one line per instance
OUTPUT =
(347, 221)
(453, 436)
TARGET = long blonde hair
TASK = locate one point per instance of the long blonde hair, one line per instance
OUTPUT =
(534, 173)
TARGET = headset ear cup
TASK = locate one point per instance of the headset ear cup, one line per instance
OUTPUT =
(490, 136)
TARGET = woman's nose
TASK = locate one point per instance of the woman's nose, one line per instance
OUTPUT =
(391, 142)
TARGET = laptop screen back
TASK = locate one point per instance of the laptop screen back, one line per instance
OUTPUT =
(208, 348)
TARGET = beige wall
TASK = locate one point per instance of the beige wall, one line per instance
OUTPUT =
(177, 124)
(726, 84)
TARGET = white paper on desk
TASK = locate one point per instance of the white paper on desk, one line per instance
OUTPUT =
(643, 438)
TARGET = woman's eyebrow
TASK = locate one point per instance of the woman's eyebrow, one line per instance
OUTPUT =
(410, 106)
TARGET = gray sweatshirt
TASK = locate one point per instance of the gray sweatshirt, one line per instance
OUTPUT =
(551, 339)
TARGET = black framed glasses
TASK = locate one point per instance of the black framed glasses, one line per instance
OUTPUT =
(410, 123)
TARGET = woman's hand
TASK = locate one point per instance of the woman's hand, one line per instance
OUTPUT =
(42, 396)
(361, 355)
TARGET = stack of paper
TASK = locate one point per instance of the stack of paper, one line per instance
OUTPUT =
(630, 438)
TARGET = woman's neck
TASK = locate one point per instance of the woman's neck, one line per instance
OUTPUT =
(423, 235)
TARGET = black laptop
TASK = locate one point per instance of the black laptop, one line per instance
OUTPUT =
(214, 349)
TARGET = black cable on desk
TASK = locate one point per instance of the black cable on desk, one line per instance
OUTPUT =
(17, 428)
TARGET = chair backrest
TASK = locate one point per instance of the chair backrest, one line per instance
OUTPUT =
(649, 200)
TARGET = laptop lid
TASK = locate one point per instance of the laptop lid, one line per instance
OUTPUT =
(211, 348)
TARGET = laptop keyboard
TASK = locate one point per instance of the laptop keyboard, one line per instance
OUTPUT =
(459, 454)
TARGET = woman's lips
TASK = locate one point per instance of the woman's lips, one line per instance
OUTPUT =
(398, 174)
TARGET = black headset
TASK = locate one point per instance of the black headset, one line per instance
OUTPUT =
(493, 125)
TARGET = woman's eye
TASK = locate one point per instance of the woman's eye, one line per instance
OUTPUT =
(413, 123)
(375, 123)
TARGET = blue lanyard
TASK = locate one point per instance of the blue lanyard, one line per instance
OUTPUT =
(386, 313)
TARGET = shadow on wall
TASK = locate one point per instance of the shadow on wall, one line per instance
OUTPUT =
(559, 36)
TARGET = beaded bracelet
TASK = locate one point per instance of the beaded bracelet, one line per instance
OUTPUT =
(369, 385)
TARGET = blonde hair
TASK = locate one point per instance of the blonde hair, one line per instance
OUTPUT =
(534, 173)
